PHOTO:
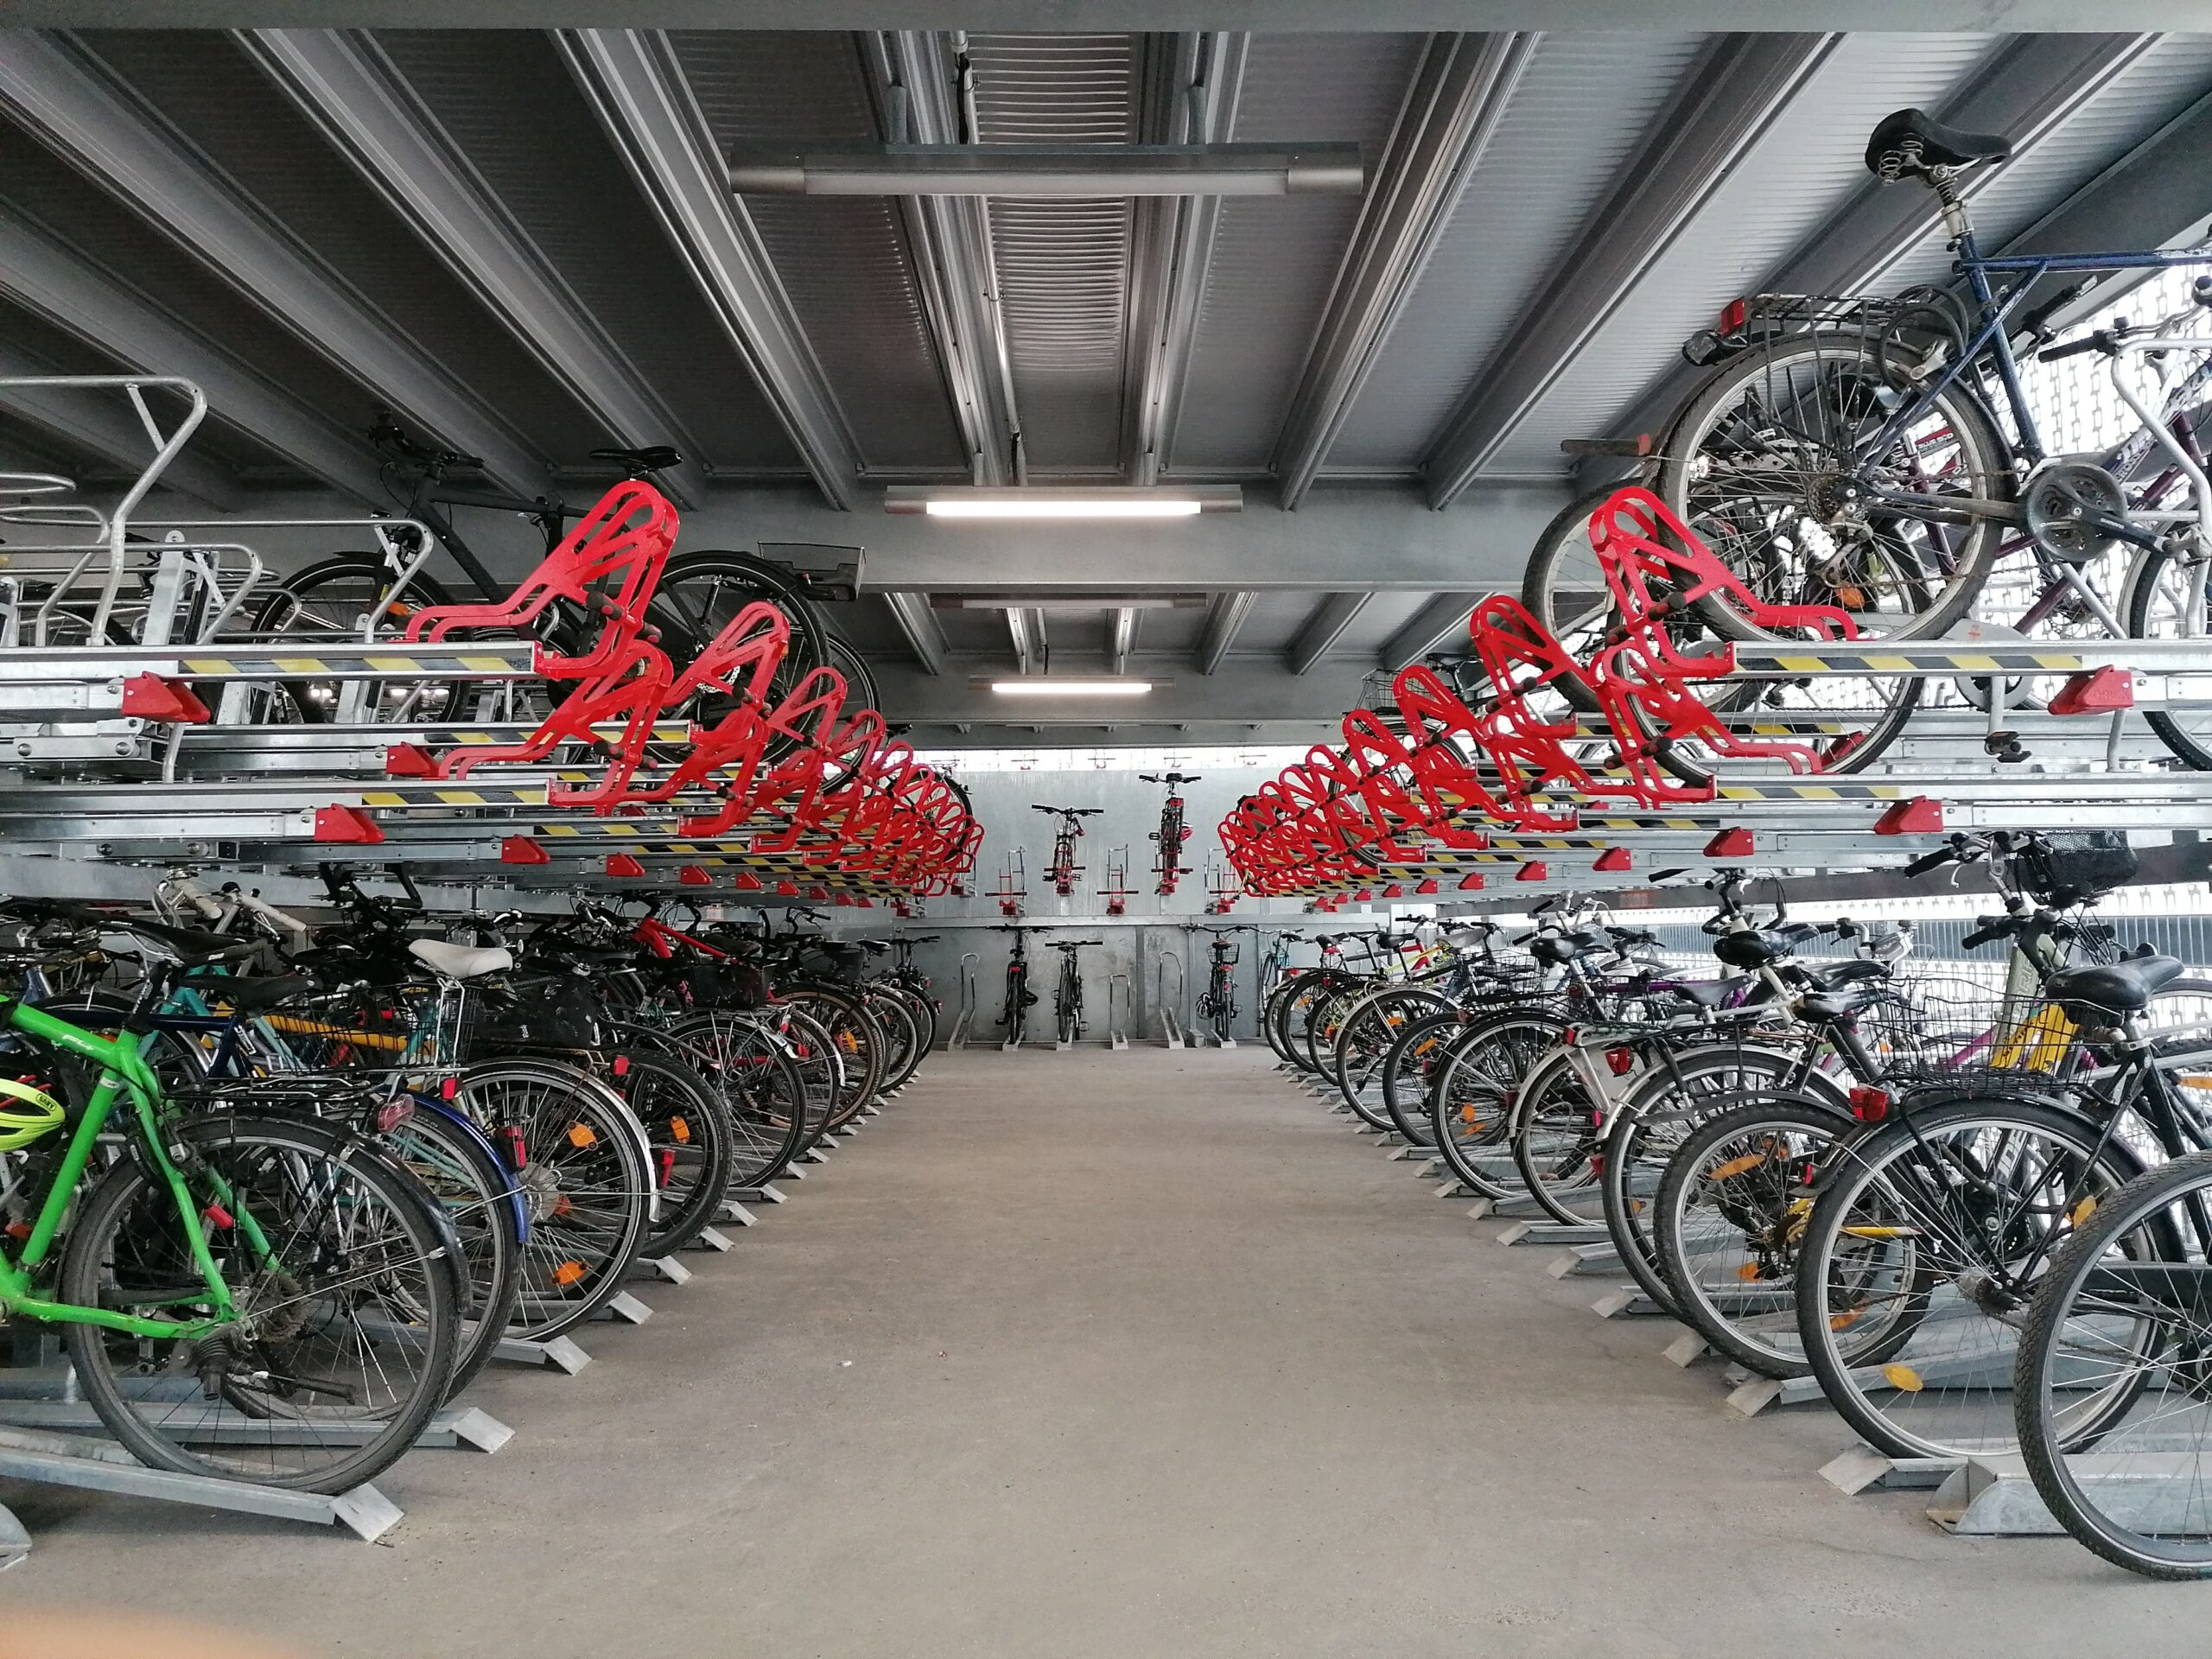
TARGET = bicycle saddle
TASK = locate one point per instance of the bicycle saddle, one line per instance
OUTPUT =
(2122, 987)
(1845, 973)
(1912, 139)
(654, 458)
(1838, 1001)
(251, 995)
(1755, 949)
(460, 960)
(1708, 993)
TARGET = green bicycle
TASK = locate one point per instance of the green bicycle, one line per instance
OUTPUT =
(243, 1293)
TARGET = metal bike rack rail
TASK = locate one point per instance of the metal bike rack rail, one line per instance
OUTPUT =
(1170, 1025)
(1117, 1026)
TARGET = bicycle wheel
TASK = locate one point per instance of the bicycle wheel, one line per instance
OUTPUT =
(763, 1091)
(921, 1015)
(584, 1167)
(689, 1133)
(1408, 1071)
(1469, 1104)
(1564, 588)
(1770, 464)
(1659, 1114)
(1731, 1209)
(700, 592)
(1553, 1133)
(899, 1038)
(1365, 1039)
(464, 1172)
(348, 1291)
(2111, 1386)
(854, 1036)
(327, 603)
(2168, 601)
(1920, 1259)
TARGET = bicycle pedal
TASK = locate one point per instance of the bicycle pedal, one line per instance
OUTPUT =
(2004, 747)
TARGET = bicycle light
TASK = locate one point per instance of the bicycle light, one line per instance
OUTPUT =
(1868, 1104)
(1621, 1061)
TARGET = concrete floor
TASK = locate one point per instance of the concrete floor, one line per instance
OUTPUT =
(1096, 1354)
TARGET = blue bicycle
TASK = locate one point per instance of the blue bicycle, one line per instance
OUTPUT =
(1884, 454)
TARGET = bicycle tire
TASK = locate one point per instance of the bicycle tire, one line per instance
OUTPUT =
(687, 1131)
(1822, 1317)
(464, 1172)
(423, 1319)
(2144, 1203)
(763, 1091)
(1370, 1028)
(309, 701)
(1695, 1173)
(1802, 362)
(1406, 1072)
(2192, 749)
(1473, 1086)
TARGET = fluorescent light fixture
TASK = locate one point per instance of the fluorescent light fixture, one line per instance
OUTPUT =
(1062, 501)
(1101, 506)
(1048, 688)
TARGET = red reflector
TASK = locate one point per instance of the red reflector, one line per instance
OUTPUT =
(450, 1089)
(1733, 317)
(1870, 1104)
(218, 1217)
(622, 1065)
(667, 1165)
(1622, 1060)
(1597, 1164)
(510, 1142)
(1567, 1036)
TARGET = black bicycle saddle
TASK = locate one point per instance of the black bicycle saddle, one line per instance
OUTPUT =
(654, 458)
(2122, 987)
(1913, 138)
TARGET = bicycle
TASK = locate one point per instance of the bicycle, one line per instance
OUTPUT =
(1172, 831)
(1064, 869)
(221, 1274)
(1067, 995)
(1217, 1002)
(1019, 999)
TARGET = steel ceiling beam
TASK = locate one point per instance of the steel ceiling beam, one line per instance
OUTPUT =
(1733, 96)
(1025, 627)
(59, 95)
(1224, 622)
(919, 624)
(915, 79)
(1460, 91)
(1427, 629)
(344, 83)
(1321, 630)
(103, 425)
(634, 82)
(1122, 638)
(1191, 83)
(2158, 192)
(45, 275)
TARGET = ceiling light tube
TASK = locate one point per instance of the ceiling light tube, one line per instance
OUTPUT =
(1062, 501)
(1047, 688)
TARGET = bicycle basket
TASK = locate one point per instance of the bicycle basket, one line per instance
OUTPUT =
(1945, 1029)
(551, 1012)
(2070, 867)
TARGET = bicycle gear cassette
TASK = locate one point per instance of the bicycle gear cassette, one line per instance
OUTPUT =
(2067, 507)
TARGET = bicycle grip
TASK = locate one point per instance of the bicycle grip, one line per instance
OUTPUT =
(1927, 861)
(1992, 929)
(2095, 342)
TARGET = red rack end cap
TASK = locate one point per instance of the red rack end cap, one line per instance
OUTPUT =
(1534, 870)
(1365, 895)
(691, 875)
(1918, 816)
(623, 864)
(1472, 882)
(2097, 691)
(347, 825)
(1393, 890)
(748, 882)
(521, 850)
(787, 889)
(1615, 858)
(409, 760)
(1731, 844)
(149, 696)
(1426, 886)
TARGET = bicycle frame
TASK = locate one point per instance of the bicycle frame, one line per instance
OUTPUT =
(123, 1071)
(1995, 307)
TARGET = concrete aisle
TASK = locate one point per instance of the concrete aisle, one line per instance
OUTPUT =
(1113, 1355)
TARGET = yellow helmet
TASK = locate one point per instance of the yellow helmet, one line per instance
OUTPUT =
(26, 1113)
